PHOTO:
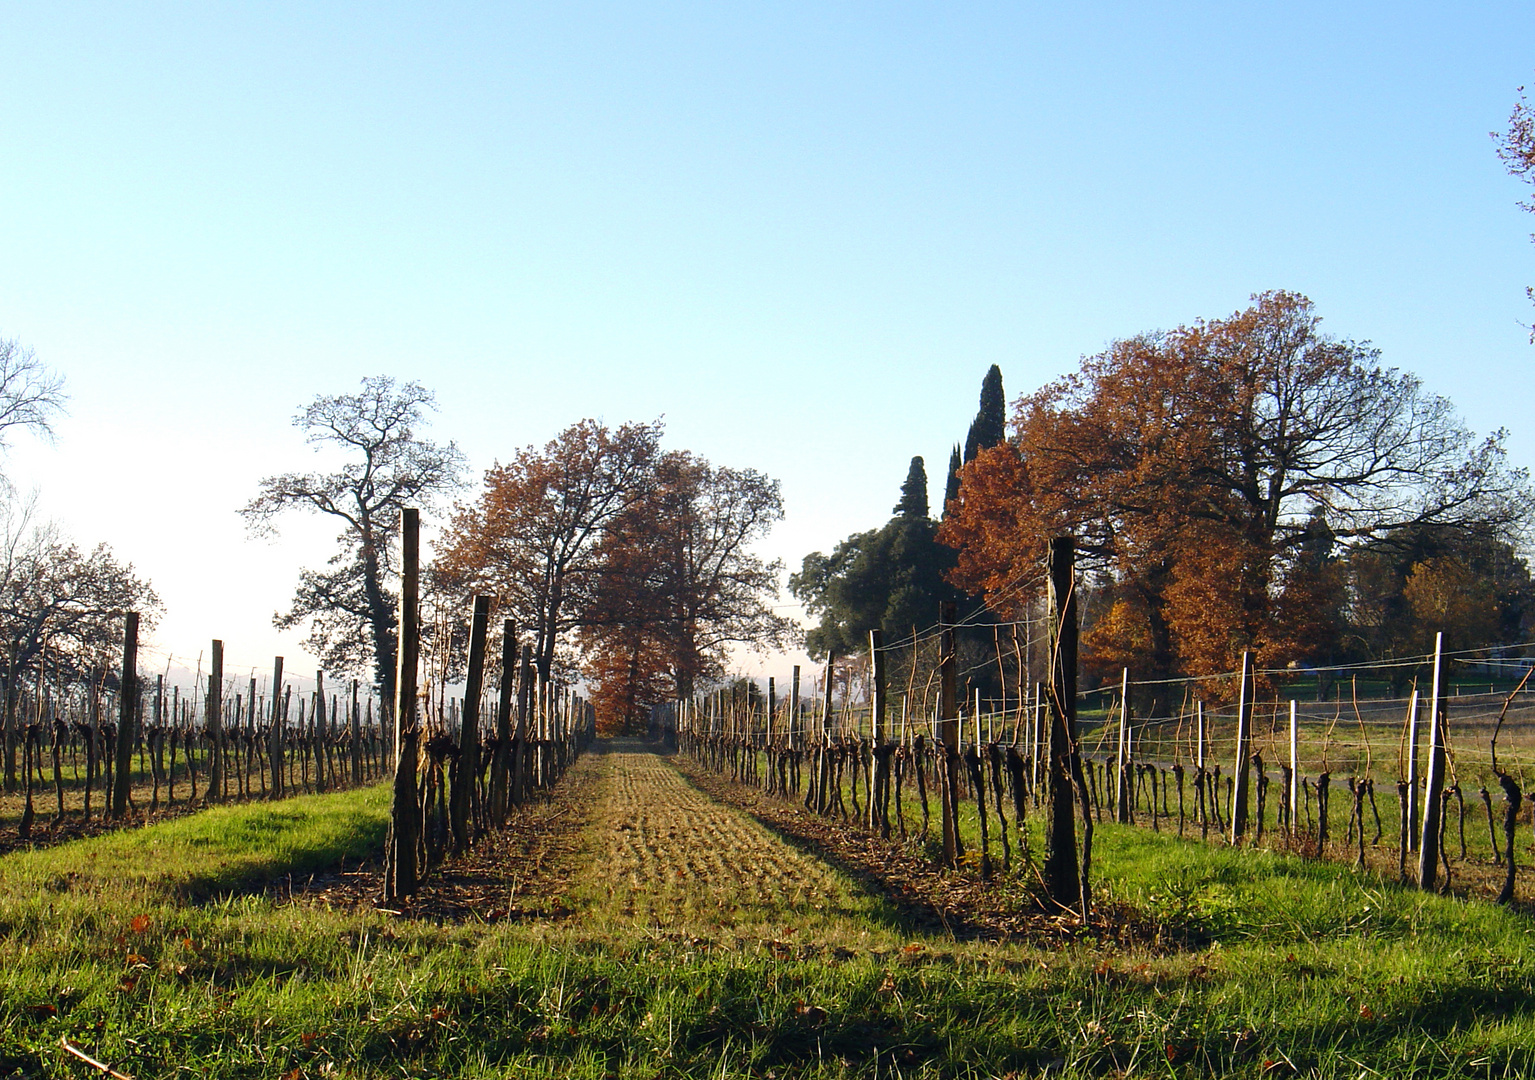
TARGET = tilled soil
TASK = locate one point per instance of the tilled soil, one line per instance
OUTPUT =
(667, 854)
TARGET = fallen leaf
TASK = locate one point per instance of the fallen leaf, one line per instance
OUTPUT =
(139, 923)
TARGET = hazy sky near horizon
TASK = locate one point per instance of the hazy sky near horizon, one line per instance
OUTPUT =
(799, 232)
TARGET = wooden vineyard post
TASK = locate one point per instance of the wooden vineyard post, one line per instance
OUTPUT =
(467, 767)
(404, 813)
(1064, 882)
(318, 743)
(498, 765)
(1124, 792)
(876, 728)
(215, 720)
(356, 738)
(1428, 844)
(127, 713)
(1242, 770)
(795, 738)
(1294, 792)
(823, 770)
(948, 738)
(1412, 772)
(521, 757)
(274, 751)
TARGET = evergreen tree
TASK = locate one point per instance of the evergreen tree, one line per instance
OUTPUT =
(913, 502)
(951, 489)
(989, 426)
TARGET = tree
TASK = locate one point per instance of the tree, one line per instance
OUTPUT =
(31, 394)
(1193, 464)
(58, 600)
(951, 484)
(351, 607)
(913, 502)
(990, 424)
(680, 584)
(891, 579)
(1516, 148)
(532, 538)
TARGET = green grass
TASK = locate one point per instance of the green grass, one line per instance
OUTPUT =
(1266, 963)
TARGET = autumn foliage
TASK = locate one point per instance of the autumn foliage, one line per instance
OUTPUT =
(1212, 475)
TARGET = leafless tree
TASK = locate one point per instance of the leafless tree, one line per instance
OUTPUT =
(351, 605)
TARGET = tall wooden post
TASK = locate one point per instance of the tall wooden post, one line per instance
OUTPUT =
(467, 768)
(878, 728)
(1428, 845)
(215, 718)
(320, 733)
(405, 814)
(127, 714)
(1243, 764)
(1294, 766)
(356, 738)
(274, 751)
(499, 771)
(1124, 793)
(1413, 751)
(1063, 881)
(948, 736)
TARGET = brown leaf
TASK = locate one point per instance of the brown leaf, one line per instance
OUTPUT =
(139, 923)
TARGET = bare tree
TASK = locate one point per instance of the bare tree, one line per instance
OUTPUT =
(350, 608)
(1516, 148)
(31, 394)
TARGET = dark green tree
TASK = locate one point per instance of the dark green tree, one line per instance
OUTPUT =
(913, 502)
(891, 578)
(990, 424)
(951, 489)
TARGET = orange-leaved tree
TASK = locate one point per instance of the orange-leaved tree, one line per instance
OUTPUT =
(1196, 467)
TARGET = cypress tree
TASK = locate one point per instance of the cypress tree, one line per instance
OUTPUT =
(913, 502)
(990, 424)
(951, 489)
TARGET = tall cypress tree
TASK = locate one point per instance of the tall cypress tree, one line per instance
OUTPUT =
(951, 489)
(913, 502)
(990, 424)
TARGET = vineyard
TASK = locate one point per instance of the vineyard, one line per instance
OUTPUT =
(810, 886)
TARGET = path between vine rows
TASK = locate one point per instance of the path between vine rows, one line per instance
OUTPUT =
(635, 839)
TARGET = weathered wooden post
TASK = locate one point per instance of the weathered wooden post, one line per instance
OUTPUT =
(356, 738)
(467, 768)
(877, 736)
(404, 815)
(1428, 844)
(1412, 771)
(948, 736)
(499, 771)
(274, 751)
(1294, 792)
(1243, 769)
(1063, 880)
(318, 743)
(1124, 791)
(215, 718)
(127, 714)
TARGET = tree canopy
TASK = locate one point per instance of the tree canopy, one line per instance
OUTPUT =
(1199, 468)
(351, 607)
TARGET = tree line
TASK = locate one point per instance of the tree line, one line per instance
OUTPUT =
(1248, 482)
(626, 563)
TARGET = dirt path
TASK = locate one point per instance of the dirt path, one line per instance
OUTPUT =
(663, 854)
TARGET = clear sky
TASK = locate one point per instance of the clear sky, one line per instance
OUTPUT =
(800, 232)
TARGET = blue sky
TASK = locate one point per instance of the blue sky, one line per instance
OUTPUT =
(800, 232)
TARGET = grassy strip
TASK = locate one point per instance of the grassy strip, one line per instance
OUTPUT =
(1274, 966)
(218, 850)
